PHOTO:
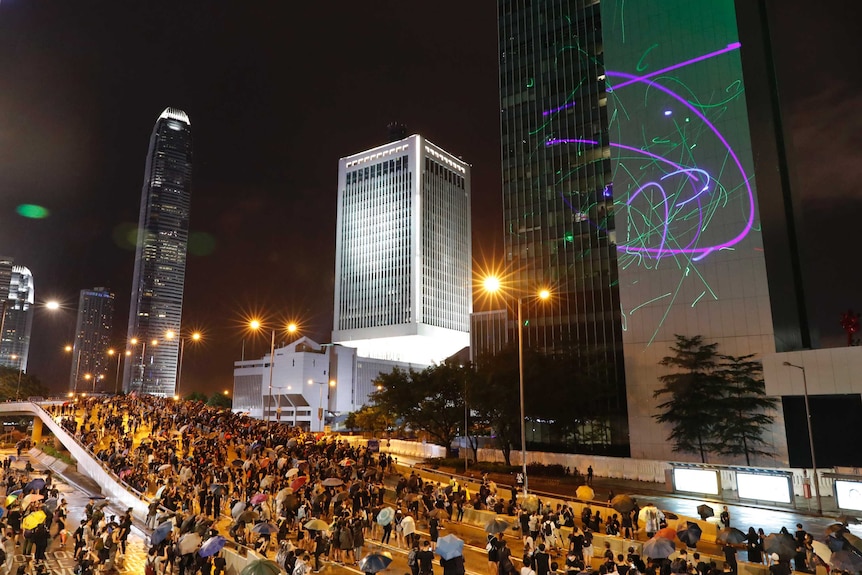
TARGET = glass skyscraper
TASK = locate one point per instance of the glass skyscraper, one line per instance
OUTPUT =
(160, 258)
(92, 341)
(18, 319)
(645, 181)
(403, 256)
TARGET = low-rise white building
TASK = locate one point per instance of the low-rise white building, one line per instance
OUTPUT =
(310, 383)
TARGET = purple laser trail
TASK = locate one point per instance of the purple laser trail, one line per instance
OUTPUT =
(633, 79)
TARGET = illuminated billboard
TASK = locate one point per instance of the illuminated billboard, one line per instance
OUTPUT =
(764, 487)
(848, 494)
(696, 480)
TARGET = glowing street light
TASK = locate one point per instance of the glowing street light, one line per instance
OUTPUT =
(331, 383)
(492, 285)
(194, 336)
(255, 325)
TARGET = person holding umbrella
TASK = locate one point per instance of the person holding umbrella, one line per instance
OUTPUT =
(754, 546)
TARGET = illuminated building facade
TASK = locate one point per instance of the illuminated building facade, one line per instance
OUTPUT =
(93, 330)
(18, 319)
(645, 179)
(403, 253)
(160, 259)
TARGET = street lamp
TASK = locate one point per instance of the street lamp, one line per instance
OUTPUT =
(810, 435)
(20, 369)
(95, 378)
(112, 352)
(195, 336)
(256, 325)
(493, 285)
(320, 400)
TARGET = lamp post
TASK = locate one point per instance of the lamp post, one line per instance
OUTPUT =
(492, 285)
(194, 336)
(810, 436)
(20, 369)
(256, 325)
(320, 400)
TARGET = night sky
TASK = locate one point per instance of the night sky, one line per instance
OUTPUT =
(276, 93)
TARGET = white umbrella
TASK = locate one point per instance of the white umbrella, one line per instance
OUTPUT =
(408, 526)
(292, 472)
(188, 543)
(266, 481)
(183, 428)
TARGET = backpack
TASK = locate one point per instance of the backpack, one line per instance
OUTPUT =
(548, 529)
(411, 557)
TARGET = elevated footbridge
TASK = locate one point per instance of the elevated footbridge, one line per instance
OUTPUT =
(122, 494)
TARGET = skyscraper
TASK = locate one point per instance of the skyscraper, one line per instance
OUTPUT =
(645, 177)
(18, 320)
(403, 252)
(92, 341)
(160, 258)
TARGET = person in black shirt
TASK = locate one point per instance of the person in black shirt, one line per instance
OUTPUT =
(542, 561)
(425, 559)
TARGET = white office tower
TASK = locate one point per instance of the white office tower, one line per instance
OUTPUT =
(403, 253)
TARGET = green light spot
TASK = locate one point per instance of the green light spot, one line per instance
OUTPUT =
(570, 237)
(531, 83)
(526, 322)
(201, 244)
(32, 211)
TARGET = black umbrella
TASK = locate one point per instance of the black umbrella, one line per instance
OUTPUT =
(375, 562)
(237, 462)
(835, 530)
(689, 533)
(782, 543)
(217, 489)
(846, 561)
(658, 548)
(848, 520)
(705, 511)
(731, 536)
(498, 525)
(623, 503)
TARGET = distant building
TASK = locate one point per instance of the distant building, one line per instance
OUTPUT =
(18, 319)
(93, 331)
(160, 259)
(489, 332)
(311, 383)
(403, 253)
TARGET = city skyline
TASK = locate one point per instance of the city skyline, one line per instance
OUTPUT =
(263, 240)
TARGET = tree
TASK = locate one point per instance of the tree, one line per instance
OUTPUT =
(367, 418)
(220, 400)
(9, 385)
(693, 391)
(745, 408)
(431, 400)
(496, 401)
(196, 396)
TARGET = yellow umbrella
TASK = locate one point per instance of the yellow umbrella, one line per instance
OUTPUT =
(10, 499)
(34, 520)
(585, 492)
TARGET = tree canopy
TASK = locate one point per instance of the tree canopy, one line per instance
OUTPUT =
(9, 389)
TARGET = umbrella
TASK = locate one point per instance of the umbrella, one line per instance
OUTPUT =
(853, 540)
(264, 528)
(50, 505)
(822, 550)
(212, 546)
(705, 511)
(450, 546)
(411, 497)
(187, 524)
(731, 536)
(408, 525)
(31, 498)
(183, 428)
(585, 492)
(34, 520)
(668, 533)
(835, 530)
(292, 471)
(164, 467)
(782, 543)
(328, 482)
(670, 515)
(237, 462)
(161, 532)
(35, 485)
(291, 502)
(623, 503)
(347, 462)
(217, 489)
(283, 493)
(247, 516)
(299, 482)
(266, 481)
(498, 525)
(317, 525)
(689, 533)
(385, 516)
(101, 504)
(375, 562)
(341, 496)
(259, 498)
(159, 491)
(237, 509)
(848, 520)
(10, 499)
(188, 543)
(17, 492)
(261, 567)
(846, 561)
(439, 514)
(658, 548)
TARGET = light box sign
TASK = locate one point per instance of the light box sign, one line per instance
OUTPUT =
(848, 494)
(764, 487)
(696, 480)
